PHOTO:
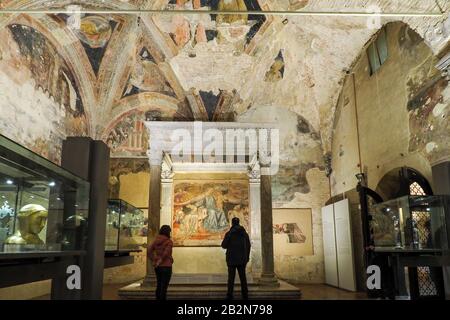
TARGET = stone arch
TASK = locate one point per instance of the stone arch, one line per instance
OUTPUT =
(72, 54)
(409, 39)
(389, 186)
(167, 105)
(128, 117)
(348, 70)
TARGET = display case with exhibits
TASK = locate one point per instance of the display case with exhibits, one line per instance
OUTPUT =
(124, 226)
(42, 206)
(411, 222)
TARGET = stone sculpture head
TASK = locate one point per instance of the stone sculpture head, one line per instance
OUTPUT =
(31, 219)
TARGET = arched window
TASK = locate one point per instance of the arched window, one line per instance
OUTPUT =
(422, 219)
(415, 189)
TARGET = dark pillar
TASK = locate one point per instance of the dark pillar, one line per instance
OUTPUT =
(89, 160)
(154, 212)
(441, 183)
(267, 275)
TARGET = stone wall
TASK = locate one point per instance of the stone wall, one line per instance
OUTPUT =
(300, 183)
(402, 112)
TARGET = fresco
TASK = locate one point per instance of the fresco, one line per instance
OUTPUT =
(276, 71)
(128, 137)
(429, 109)
(237, 29)
(292, 232)
(95, 33)
(210, 101)
(146, 77)
(202, 210)
(39, 90)
(124, 166)
(300, 151)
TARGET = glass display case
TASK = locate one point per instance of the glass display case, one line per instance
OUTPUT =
(42, 206)
(124, 226)
(411, 222)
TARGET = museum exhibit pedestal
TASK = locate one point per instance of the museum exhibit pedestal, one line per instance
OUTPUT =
(209, 287)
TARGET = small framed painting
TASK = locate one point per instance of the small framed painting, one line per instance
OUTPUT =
(292, 232)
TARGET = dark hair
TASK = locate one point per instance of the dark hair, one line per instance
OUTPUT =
(235, 221)
(165, 230)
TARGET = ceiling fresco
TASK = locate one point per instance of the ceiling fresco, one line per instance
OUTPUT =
(45, 80)
(116, 69)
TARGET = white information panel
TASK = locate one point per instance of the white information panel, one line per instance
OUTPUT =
(329, 246)
(344, 245)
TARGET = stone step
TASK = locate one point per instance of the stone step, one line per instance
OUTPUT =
(212, 291)
(207, 280)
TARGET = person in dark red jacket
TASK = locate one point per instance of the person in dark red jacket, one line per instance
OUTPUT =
(237, 243)
(160, 253)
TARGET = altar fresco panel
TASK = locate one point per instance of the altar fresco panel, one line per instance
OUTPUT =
(202, 210)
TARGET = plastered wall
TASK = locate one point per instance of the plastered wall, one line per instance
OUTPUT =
(401, 111)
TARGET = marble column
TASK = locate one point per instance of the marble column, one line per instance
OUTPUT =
(268, 277)
(154, 212)
(254, 175)
(166, 191)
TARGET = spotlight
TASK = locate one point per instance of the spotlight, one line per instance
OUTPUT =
(9, 181)
(52, 184)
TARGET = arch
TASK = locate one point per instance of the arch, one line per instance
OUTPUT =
(348, 71)
(126, 134)
(396, 183)
(167, 105)
(70, 52)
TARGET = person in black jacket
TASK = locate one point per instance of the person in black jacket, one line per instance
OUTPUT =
(237, 243)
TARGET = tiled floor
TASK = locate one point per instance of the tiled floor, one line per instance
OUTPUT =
(324, 292)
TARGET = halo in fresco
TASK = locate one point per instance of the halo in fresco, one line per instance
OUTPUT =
(95, 31)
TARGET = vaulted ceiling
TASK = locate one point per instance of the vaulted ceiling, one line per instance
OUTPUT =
(216, 68)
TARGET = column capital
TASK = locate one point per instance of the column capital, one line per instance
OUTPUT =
(166, 169)
(264, 158)
(254, 172)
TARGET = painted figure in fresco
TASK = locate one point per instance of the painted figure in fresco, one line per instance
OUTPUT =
(212, 200)
(239, 212)
(190, 221)
(232, 5)
(203, 211)
(216, 220)
(276, 70)
(292, 231)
